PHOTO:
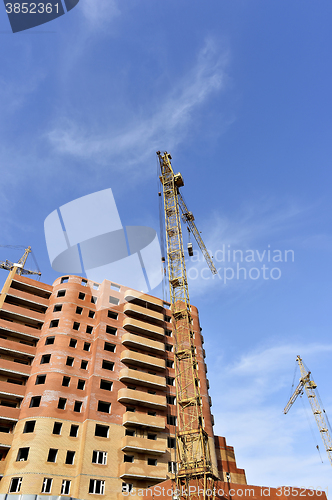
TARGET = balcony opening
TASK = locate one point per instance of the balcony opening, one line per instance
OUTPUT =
(129, 432)
(170, 442)
(65, 487)
(47, 485)
(131, 408)
(101, 430)
(152, 413)
(15, 485)
(78, 406)
(106, 385)
(113, 300)
(52, 454)
(70, 457)
(35, 402)
(109, 347)
(69, 361)
(108, 365)
(153, 437)
(171, 419)
(111, 330)
(152, 461)
(81, 385)
(29, 426)
(127, 487)
(40, 379)
(57, 426)
(128, 458)
(151, 392)
(99, 457)
(97, 486)
(104, 407)
(112, 315)
(73, 431)
(62, 403)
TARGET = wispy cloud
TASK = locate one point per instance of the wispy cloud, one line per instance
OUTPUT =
(97, 13)
(253, 228)
(140, 137)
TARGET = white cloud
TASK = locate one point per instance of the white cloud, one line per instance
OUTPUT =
(139, 139)
(274, 449)
(99, 12)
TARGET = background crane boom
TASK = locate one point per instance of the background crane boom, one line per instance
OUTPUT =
(189, 218)
(309, 386)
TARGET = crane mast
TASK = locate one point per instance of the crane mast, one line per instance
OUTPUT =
(309, 386)
(193, 450)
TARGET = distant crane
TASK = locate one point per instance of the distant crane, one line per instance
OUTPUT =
(193, 447)
(14, 268)
(309, 386)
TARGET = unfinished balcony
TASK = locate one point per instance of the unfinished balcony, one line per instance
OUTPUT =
(129, 397)
(143, 360)
(141, 470)
(12, 390)
(142, 328)
(22, 316)
(19, 331)
(136, 341)
(26, 300)
(143, 445)
(13, 367)
(134, 419)
(143, 300)
(130, 376)
(143, 313)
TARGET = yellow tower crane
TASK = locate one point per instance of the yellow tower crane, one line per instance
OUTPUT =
(14, 268)
(309, 386)
(195, 467)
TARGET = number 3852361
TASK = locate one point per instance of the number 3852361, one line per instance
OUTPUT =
(31, 8)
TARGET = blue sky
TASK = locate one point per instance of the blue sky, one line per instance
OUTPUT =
(239, 93)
